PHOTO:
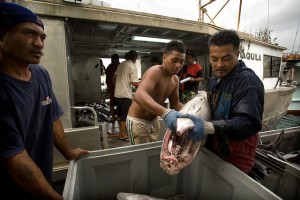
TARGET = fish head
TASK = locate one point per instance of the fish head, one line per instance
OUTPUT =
(178, 152)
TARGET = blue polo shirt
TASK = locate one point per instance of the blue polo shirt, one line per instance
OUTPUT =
(27, 112)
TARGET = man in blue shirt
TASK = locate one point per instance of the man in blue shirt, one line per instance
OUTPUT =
(29, 111)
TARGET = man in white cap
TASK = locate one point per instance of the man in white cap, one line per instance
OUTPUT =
(29, 111)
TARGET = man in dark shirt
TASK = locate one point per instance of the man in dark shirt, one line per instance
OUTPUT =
(29, 111)
(236, 97)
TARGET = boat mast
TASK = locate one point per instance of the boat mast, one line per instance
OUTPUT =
(240, 8)
(296, 38)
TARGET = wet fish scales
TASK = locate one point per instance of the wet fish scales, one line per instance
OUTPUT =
(134, 196)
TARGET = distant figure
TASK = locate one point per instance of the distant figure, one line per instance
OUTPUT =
(110, 71)
(180, 75)
(102, 75)
(29, 111)
(102, 67)
(194, 72)
(158, 83)
(125, 77)
(155, 61)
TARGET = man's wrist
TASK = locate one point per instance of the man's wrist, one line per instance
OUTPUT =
(209, 128)
(165, 113)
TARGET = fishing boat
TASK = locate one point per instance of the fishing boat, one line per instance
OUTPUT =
(291, 62)
(79, 34)
(277, 162)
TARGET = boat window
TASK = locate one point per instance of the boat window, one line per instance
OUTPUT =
(271, 66)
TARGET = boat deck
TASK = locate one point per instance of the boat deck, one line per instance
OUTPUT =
(288, 120)
(114, 142)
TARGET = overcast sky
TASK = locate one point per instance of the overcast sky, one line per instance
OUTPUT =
(282, 16)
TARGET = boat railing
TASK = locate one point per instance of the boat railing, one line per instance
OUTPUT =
(87, 108)
(291, 56)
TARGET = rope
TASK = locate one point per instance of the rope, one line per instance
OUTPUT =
(253, 16)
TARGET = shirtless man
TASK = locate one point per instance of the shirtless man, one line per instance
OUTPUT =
(158, 83)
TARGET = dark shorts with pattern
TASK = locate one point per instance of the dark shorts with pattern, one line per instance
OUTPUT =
(123, 105)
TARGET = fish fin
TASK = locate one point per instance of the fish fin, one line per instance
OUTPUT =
(279, 139)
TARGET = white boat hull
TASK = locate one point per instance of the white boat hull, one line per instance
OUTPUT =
(277, 102)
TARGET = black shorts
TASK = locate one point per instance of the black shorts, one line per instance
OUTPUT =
(123, 105)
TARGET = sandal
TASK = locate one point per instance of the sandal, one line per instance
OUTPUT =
(124, 139)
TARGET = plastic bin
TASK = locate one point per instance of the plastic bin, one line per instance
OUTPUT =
(135, 169)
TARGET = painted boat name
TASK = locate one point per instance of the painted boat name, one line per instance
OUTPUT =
(250, 56)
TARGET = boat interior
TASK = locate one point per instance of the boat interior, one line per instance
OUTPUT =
(103, 38)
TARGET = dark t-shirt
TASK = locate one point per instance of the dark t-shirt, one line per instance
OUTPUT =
(27, 112)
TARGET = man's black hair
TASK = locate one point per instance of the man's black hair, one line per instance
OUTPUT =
(224, 37)
(190, 53)
(115, 56)
(132, 54)
(175, 45)
(155, 59)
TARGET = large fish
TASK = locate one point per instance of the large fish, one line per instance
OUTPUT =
(134, 196)
(273, 147)
(178, 150)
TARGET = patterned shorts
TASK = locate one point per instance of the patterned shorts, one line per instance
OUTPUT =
(142, 131)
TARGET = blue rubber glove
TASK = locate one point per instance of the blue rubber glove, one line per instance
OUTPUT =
(171, 119)
(197, 132)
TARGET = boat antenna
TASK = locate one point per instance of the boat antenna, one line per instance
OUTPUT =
(268, 15)
(296, 38)
(253, 16)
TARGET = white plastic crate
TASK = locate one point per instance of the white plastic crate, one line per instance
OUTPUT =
(135, 169)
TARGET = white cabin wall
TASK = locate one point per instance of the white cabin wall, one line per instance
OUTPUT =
(86, 79)
(56, 62)
(145, 61)
(253, 58)
(138, 65)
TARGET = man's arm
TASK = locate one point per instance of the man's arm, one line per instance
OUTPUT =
(114, 78)
(61, 143)
(245, 120)
(174, 97)
(145, 100)
(143, 97)
(197, 79)
(29, 176)
(136, 84)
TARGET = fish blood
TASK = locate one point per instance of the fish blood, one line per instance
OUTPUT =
(178, 150)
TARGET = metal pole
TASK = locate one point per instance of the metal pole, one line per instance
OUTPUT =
(88, 108)
(240, 8)
(218, 11)
(200, 18)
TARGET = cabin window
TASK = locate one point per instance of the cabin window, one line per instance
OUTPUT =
(271, 66)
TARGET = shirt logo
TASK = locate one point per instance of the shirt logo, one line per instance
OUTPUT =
(47, 101)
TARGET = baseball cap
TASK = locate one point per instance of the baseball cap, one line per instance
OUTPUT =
(12, 14)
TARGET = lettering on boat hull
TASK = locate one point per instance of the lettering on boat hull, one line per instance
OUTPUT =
(250, 56)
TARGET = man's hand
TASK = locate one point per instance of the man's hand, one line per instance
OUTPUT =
(78, 152)
(170, 118)
(197, 133)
